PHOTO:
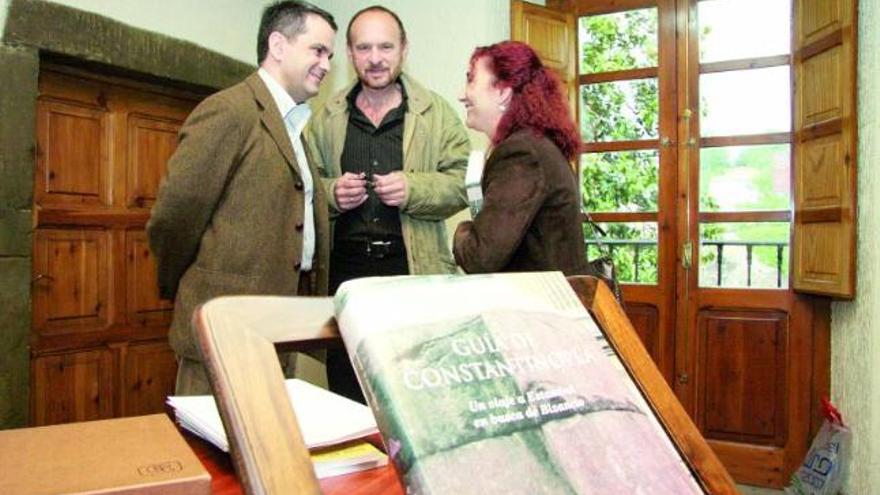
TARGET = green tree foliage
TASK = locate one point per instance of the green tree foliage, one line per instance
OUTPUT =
(618, 111)
(626, 181)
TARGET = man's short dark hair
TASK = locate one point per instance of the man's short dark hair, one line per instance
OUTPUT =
(375, 8)
(288, 18)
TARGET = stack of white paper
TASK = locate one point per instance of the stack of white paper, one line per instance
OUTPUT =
(324, 418)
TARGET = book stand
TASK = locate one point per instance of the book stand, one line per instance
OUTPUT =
(240, 336)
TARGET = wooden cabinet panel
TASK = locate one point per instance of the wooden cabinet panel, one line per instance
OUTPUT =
(144, 307)
(151, 142)
(821, 180)
(742, 376)
(821, 256)
(820, 97)
(761, 466)
(72, 280)
(819, 18)
(72, 159)
(148, 377)
(70, 387)
(645, 319)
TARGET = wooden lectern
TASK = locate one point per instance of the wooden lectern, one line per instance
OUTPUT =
(240, 335)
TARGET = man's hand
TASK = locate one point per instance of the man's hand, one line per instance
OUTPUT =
(350, 191)
(390, 188)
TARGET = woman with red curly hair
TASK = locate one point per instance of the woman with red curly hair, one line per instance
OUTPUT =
(530, 216)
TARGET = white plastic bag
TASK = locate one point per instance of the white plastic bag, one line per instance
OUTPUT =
(825, 464)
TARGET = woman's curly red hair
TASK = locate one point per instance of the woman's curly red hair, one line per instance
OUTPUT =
(537, 102)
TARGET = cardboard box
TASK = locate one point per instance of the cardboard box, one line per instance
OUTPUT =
(141, 455)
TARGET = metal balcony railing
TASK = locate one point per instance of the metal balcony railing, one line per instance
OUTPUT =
(638, 246)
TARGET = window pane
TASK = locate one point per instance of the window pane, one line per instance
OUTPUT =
(744, 254)
(745, 178)
(619, 111)
(633, 247)
(737, 29)
(623, 40)
(620, 181)
(745, 102)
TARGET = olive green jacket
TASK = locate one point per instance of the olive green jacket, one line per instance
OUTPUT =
(435, 152)
(228, 218)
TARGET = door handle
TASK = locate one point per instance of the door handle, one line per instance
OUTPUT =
(42, 276)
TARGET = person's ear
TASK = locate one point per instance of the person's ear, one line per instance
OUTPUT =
(505, 93)
(277, 44)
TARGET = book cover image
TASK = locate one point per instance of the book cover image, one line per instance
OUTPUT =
(521, 397)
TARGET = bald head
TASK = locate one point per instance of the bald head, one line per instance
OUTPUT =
(373, 12)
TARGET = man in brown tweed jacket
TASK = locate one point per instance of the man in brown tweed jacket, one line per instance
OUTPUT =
(237, 212)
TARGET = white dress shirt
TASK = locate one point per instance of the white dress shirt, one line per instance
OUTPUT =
(295, 118)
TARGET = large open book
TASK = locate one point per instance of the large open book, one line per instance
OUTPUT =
(479, 384)
(502, 384)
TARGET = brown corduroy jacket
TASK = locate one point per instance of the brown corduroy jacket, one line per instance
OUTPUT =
(228, 218)
(530, 219)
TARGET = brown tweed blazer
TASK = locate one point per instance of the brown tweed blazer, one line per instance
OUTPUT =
(229, 214)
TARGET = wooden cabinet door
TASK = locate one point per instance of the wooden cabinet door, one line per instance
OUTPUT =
(151, 141)
(149, 371)
(99, 327)
(72, 280)
(73, 148)
(144, 307)
(75, 386)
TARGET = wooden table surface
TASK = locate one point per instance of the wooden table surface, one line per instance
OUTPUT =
(376, 481)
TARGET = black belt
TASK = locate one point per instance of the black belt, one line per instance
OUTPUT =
(371, 248)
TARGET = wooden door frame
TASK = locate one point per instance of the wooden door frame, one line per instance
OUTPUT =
(807, 318)
(34, 30)
(668, 150)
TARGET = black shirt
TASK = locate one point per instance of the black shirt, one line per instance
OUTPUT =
(371, 149)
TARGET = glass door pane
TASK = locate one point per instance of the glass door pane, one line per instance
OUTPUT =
(738, 29)
(745, 134)
(756, 101)
(618, 41)
(620, 124)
